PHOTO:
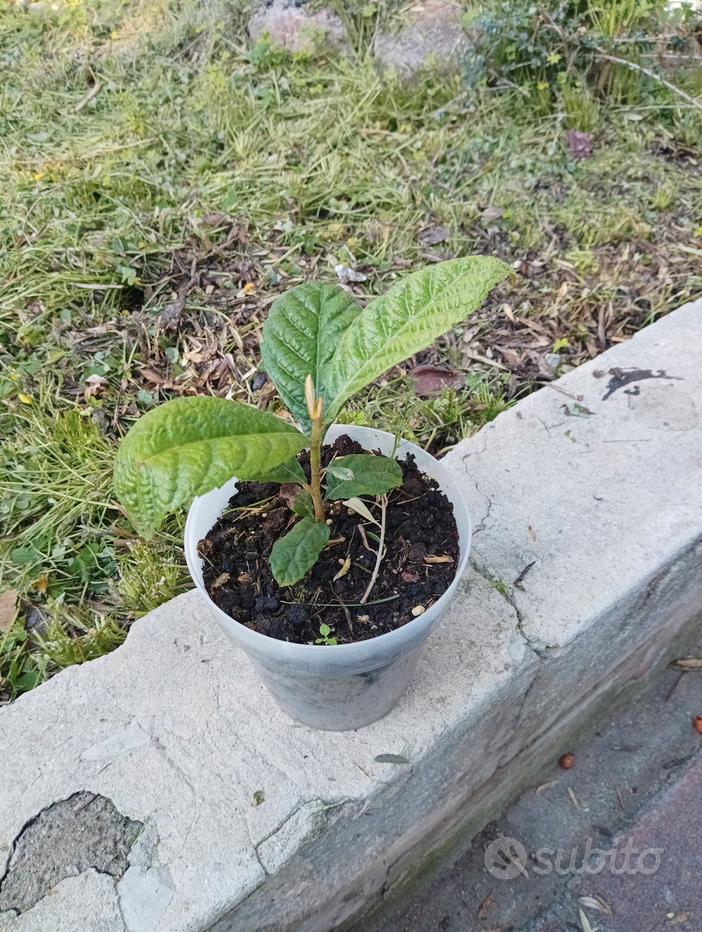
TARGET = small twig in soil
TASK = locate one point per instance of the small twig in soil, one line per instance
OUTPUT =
(649, 74)
(92, 93)
(362, 568)
(348, 617)
(362, 532)
(381, 548)
(388, 598)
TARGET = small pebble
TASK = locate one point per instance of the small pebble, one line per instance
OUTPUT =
(566, 761)
(418, 610)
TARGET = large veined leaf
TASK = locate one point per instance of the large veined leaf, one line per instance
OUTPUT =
(369, 475)
(188, 446)
(287, 472)
(295, 554)
(406, 319)
(299, 338)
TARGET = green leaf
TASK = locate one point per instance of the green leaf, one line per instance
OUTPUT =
(298, 500)
(408, 318)
(371, 475)
(339, 472)
(299, 338)
(188, 446)
(286, 472)
(295, 554)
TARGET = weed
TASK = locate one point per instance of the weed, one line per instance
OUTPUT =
(325, 637)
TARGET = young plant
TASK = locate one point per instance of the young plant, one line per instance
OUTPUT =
(324, 636)
(319, 349)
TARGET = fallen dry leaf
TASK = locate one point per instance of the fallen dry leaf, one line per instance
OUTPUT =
(347, 275)
(355, 504)
(438, 558)
(596, 902)
(94, 385)
(580, 144)
(688, 663)
(484, 907)
(432, 236)
(8, 603)
(432, 380)
(345, 567)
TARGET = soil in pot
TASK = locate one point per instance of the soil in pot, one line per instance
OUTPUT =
(420, 560)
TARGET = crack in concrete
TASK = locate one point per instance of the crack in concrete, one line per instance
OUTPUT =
(63, 840)
(466, 456)
(481, 526)
(536, 647)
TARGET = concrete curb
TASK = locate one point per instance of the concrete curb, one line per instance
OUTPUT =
(589, 535)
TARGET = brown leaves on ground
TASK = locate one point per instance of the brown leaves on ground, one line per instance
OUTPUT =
(432, 380)
(8, 609)
(195, 329)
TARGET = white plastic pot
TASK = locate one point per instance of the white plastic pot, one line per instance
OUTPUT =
(346, 686)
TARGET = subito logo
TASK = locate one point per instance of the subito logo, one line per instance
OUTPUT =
(506, 858)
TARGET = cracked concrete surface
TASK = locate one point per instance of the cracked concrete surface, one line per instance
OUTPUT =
(585, 568)
(69, 837)
(176, 729)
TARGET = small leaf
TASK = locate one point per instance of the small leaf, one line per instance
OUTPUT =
(371, 475)
(301, 504)
(391, 759)
(299, 338)
(408, 318)
(188, 446)
(296, 553)
(355, 504)
(286, 472)
(345, 567)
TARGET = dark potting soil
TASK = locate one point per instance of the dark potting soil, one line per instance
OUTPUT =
(420, 561)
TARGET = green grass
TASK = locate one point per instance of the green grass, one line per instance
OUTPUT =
(227, 173)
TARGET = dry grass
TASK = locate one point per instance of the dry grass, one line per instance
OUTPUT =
(163, 182)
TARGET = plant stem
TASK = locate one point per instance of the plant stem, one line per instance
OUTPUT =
(316, 469)
(315, 407)
(381, 547)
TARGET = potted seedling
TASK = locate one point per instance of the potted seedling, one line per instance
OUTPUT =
(327, 552)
